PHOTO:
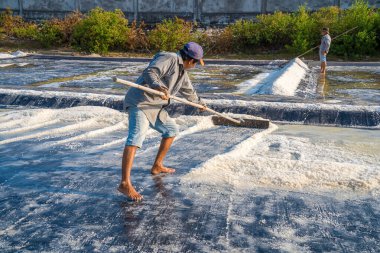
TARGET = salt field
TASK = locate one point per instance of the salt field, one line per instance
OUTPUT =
(308, 183)
(357, 85)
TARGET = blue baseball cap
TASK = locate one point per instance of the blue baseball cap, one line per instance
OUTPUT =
(195, 51)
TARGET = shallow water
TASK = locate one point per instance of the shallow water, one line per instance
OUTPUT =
(92, 75)
(351, 83)
(343, 85)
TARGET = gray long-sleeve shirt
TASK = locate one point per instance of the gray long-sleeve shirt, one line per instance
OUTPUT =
(166, 69)
(325, 44)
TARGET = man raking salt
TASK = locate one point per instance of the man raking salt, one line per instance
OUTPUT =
(167, 72)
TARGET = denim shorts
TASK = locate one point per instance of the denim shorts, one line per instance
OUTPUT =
(322, 58)
(139, 125)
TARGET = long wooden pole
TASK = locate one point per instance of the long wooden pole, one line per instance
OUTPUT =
(184, 101)
(331, 39)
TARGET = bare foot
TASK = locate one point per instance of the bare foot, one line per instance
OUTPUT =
(129, 191)
(157, 169)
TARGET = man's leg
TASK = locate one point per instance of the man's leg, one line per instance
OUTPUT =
(158, 166)
(323, 67)
(169, 130)
(323, 63)
(137, 128)
(126, 186)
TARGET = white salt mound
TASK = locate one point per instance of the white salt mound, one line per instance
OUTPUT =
(282, 82)
(19, 54)
(292, 163)
(13, 55)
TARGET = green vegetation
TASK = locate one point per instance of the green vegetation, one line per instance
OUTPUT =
(303, 31)
(300, 31)
(170, 35)
(363, 40)
(50, 34)
(57, 32)
(100, 31)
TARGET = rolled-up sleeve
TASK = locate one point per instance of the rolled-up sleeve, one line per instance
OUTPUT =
(187, 91)
(156, 70)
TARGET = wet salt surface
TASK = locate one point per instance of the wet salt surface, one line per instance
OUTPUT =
(351, 83)
(93, 75)
(44, 72)
(294, 189)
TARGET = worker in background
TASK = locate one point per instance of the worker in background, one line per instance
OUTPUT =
(324, 48)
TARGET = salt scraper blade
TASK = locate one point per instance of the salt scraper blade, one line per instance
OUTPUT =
(244, 122)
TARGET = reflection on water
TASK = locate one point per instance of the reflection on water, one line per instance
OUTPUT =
(219, 78)
(358, 86)
(321, 87)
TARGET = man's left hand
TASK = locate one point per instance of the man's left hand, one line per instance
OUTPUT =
(164, 90)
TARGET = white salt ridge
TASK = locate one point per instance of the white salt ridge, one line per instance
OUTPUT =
(24, 118)
(22, 64)
(19, 53)
(282, 82)
(78, 118)
(13, 55)
(290, 163)
(12, 123)
(201, 123)
(6, 65)
(253, 86)
(240, 150)
(90, 134)
(31, 127)
(217, 102)
(282, 105)
(53, 132)
(108, 144)
(221, 102)
(50, 94)
(105, 119)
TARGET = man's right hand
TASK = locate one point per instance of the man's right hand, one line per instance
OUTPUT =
(165, 90)
(203, 109)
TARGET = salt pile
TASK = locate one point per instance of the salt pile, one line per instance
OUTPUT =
(6, 65)
(282, 82)
(13, 55)
(280, 161)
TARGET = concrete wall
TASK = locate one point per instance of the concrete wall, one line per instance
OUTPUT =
(204, 11)
(289, 5)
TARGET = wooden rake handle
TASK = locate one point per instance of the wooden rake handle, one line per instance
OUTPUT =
(184, 101)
